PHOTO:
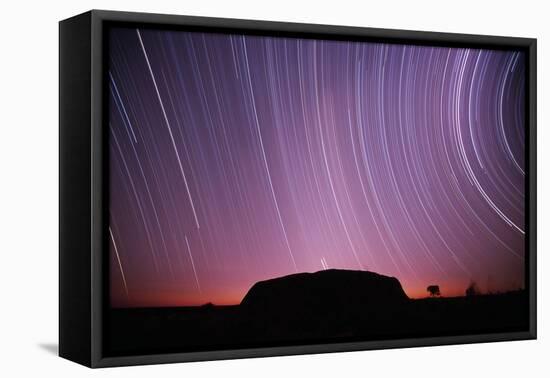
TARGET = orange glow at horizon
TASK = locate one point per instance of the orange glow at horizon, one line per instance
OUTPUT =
(234, 297)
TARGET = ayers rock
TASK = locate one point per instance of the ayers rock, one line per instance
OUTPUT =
(328, 290)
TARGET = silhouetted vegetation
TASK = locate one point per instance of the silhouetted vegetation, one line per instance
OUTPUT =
(472, 289)
(433, 290)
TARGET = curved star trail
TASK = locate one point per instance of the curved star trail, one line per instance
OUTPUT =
(235, 159)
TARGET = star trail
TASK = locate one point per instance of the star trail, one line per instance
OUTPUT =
(239, 158)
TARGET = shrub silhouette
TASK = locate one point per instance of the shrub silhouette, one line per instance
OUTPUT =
(472, 289)
(433, 290)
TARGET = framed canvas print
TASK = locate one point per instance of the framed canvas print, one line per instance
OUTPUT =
(234, 188)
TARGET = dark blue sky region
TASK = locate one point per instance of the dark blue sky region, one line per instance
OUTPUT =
(235, 159)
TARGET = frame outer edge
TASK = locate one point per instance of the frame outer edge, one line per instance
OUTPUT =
(99, 17)
(533, 187)
(98, 245)
(74, 190)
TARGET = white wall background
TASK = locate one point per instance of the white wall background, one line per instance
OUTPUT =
(29, 186)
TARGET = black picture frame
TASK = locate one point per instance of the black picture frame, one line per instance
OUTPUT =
(83, 182)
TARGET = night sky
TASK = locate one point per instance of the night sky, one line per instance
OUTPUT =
(235, 159)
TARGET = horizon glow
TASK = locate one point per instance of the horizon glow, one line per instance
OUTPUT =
(235, 159)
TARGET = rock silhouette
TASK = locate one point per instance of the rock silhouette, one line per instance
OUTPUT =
(328, 289)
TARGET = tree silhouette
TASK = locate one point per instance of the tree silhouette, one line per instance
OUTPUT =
(433, 290)
(472, 289)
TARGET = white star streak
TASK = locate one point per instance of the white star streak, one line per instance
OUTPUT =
(329, 175)
(324, 263)
(169, 129)
(123, 107)
(119, 263)
(301, 155)
(509, 69)
(465, 159)
(138, 201)
(257, 124)
(192, 263)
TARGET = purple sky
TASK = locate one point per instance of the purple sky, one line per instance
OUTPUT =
(235, 159)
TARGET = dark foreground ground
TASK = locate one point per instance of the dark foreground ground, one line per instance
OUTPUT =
(164, 330)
